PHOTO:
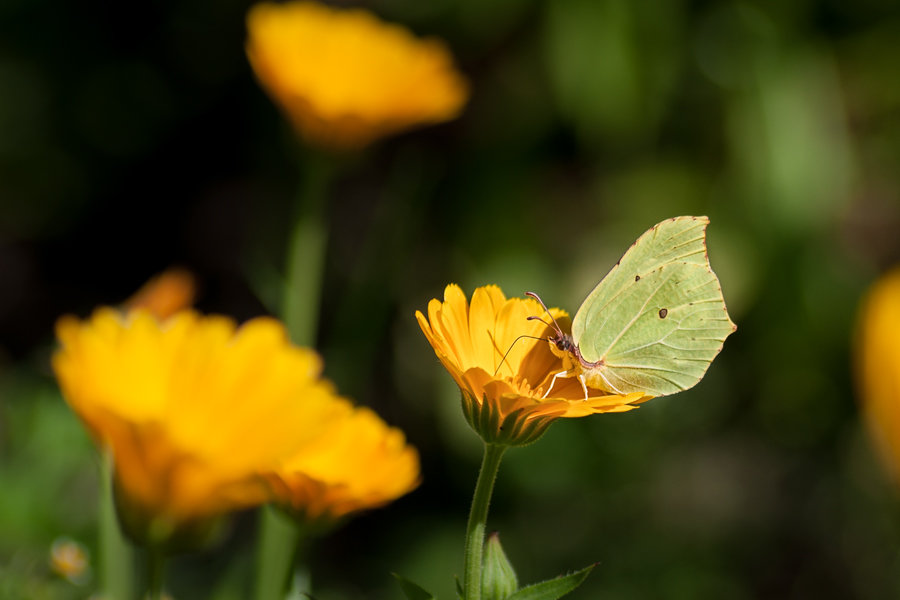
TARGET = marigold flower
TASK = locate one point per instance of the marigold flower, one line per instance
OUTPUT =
(166, 294)
(344, 78)
(192, 410)
(359, 463)
(70, 560)
(878, 367)
(504, 365)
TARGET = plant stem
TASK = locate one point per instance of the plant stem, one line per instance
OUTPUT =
(156, 572)
(306, 254)
(116, 556)
(481, 500)
(279, 535)
(278, 538)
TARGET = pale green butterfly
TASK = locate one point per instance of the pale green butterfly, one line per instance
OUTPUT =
(655, 322)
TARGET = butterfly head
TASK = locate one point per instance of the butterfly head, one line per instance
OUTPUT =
(562, 344)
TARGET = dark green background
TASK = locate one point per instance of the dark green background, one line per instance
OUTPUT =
(134, 137)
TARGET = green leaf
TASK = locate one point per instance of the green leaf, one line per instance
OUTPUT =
(459, 589)
(411, 590)
(553, 588)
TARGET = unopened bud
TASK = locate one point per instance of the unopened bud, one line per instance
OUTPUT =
(498, 578)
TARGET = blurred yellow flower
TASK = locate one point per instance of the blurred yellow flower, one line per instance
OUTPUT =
(192, 410)
(344, 78)
(70, 560)
(359, 463)
(878, 367)
(503, 364)
(166, 294)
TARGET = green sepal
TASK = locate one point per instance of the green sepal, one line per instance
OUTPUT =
(553, 588)
(515, 429)
(411, 590)
(498, 578)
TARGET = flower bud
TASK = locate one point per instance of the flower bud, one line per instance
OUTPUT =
(498, 578)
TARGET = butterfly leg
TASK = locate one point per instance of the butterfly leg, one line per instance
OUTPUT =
(583, 385)
(562, 374)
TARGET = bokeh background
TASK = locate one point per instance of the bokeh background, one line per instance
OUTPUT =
(133, 137)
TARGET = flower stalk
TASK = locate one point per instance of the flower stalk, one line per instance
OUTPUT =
(117, 572)
(279, 536)
(156, 572)
(306, 253)
(475, 529)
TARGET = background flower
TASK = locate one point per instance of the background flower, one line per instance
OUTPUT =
(70, 560)
(878, 367)
(344, 78)
(192, 409)
(359, 463)
(165, 294)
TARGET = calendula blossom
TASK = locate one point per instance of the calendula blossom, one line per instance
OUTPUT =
(165, 294)
(70, 560)
(878, 367)
(193, 410)
(344, 78)
(359, 463)
(504, 365)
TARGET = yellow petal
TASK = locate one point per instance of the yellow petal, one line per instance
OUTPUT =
(878, 367)
(192, 409)
(165, 294)
(360, 464)
(344, 78)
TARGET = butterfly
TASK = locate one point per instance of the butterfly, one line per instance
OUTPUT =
(654, 323)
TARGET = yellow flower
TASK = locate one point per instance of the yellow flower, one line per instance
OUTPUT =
(359, 463)
(878, 367)
(166, 294)
(504, 365)
(345, 78)
(192, 410)
(70, 560)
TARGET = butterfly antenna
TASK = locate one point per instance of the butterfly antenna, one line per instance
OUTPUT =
(505, 354)
(546, 310)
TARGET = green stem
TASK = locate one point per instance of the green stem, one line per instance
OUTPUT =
(156, 573)
(299, 577)
(490, 464)
(279, 536)
(116, 556)
(300, 313)
(306, 254)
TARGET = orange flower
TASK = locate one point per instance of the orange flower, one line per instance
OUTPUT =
(504, 365)
(878, 367)
(193, 410)
(344, 78)
(359, 463)
(165, 294)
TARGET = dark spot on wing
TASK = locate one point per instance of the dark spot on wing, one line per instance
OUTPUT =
(637, 277)
(663, 312)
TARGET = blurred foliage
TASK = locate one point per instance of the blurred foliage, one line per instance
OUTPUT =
(133, 137)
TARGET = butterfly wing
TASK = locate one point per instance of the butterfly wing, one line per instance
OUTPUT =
(657, 319)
